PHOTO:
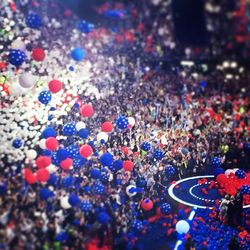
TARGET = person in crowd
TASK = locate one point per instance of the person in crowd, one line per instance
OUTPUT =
(223, 208)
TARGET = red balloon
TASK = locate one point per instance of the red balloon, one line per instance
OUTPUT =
(66, 164)
(43, 161)
(128, 165)
(42, 175)
(87, 110)
(31, 179)
(221, 178)
(51, 143)
(86, 151)
(147, 204)
(107, 127)
(26, 172)
(38, 54)
(55, 86)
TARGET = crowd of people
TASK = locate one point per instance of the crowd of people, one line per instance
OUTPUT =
(186, 115)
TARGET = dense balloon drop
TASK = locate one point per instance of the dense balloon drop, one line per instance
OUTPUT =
(115, 133)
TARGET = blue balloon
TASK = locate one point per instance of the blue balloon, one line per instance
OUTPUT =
(83, 133)
(33, 21)
(241, 174)
(54, 159)
(49, 132)
(62, 236)
(67, 181)
(98, 188)
(71, 68)
(245, 189)
(203, 84)
(84, 26)
(165, 208)
(86, 206)
(103, 218)
(45, 193)
(95, 173)
(146, 146)
(78, 54)
(3, 189)
(73, 200)
(45, 97)
(52, 179)
(69, 129)
(158, 155)
(17, 143)
(62, 154)
(141, 182)
(73, 151)
(116, 14)
(79, 161)
(122, 122)
(104, 176)
(16, 57)
(116, 166)
(218, 171)
(216, 161)
(247, 147)
(137, 225)
(169, 171)
(106, 159)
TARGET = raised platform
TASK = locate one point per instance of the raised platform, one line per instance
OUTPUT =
(189, 192)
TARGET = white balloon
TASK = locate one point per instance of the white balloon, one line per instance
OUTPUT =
(229, 171)
(80, 125)
(42, 144)
(131, 121)
(16, 90)
(52, 168)
(182, 227)
(18, 44)
(235, 169)
(64, 202)
(31, 154)
(102, 136)
(27, 80)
